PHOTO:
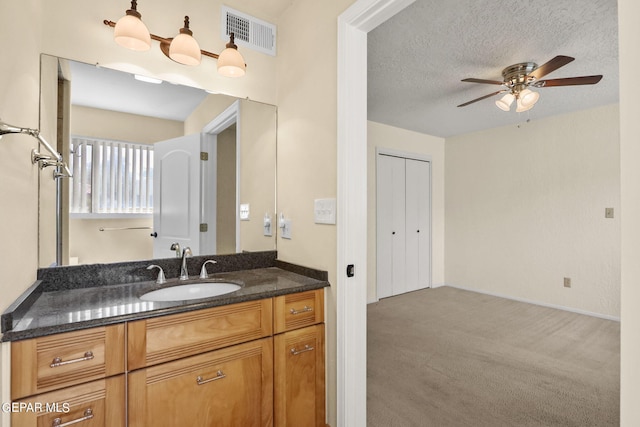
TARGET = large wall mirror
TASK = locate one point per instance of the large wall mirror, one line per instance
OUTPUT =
(154, 163)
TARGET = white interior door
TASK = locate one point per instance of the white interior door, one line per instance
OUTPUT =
(418, 226)
(390, 220)
(176, 195)
(403, 224)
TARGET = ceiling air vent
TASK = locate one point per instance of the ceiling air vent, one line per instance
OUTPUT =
(249, 31)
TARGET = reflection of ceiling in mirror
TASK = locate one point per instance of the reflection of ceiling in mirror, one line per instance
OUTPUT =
(107, 89)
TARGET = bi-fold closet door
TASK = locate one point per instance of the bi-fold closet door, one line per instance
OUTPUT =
(403, 224)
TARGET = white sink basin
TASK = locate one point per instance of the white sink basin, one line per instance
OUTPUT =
(191, 291)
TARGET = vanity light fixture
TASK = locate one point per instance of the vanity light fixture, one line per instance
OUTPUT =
(132, 33)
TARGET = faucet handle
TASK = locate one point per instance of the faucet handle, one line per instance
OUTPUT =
(161, 279)
(203, 271)
(175, 246)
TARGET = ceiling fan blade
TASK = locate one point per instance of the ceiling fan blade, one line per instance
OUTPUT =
(481, 98)
(491, 82)
(554, 64)
(569, 81)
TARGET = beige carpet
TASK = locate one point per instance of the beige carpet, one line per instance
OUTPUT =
(448, 357)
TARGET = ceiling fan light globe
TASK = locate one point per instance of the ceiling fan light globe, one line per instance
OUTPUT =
(185, 50)
(505, 102)
(528, 98)
(130, 32)
(521, 107)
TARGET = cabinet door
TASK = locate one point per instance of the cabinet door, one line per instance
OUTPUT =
(100, 403)
(299, 393)
(228, 387)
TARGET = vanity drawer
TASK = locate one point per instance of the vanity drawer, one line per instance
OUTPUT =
(232, 386)
(298, 310)
(99, 403)
(53, 362)
(166, 338)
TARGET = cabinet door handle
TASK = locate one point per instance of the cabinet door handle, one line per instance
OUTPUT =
(305, 309)
(88, 414)
(219, 375)
(57, 361)
(306, 348)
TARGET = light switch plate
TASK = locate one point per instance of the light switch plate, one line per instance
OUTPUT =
(286, 229)
(324, 211)
(244, 212)
(608, 212)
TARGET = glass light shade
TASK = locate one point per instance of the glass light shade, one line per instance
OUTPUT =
(528, 98)
(231, 63)
(185, 50)
(521, 107)
(505, 102)
(130, 32)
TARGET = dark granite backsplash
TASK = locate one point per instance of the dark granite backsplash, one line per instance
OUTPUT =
(92, 275)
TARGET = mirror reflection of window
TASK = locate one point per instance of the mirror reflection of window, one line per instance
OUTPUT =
(110, 177)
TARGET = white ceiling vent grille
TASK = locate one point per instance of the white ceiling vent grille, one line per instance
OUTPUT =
(249, 31)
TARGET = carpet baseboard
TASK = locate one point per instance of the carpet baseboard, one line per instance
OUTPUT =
(540, 303)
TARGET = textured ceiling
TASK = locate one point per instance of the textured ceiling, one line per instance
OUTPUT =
(417, 59)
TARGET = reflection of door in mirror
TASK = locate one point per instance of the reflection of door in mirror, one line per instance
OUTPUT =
(249, 166)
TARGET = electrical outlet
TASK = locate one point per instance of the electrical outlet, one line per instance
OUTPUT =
(567, 282)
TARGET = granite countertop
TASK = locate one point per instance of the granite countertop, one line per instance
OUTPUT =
(62, 309)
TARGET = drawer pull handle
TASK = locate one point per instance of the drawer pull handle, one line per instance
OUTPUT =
(305, 309)
(88, 414)
(306, 348)
(59, 362)
(219, 375)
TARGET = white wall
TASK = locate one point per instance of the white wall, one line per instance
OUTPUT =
(384, 136)
(19, 90)
(629, 34)
(525, 208)
(307, 148)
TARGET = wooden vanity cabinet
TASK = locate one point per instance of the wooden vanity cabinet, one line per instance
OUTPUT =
(299, 354)
(205, 367)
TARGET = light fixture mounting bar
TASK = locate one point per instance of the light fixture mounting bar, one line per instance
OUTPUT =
(164, 42)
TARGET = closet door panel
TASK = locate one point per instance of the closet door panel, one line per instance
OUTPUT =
(390, 225)
(418, 231)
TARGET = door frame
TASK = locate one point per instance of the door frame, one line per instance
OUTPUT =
(210, 133)
(351, 292)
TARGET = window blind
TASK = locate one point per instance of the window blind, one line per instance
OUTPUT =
(110, 176)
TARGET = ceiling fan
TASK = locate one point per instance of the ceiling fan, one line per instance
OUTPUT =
(519, 78)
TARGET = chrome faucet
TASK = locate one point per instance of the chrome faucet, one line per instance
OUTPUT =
(184, 274)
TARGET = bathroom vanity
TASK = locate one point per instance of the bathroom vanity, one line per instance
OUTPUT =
(99, 356)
